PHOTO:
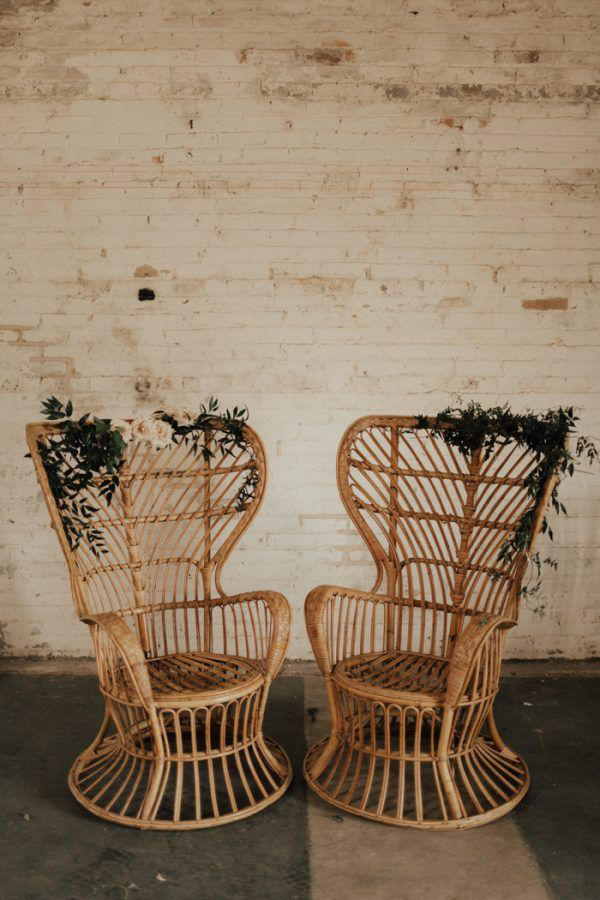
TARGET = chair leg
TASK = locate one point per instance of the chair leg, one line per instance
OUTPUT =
(456, 807)
(277, 765)
(504, 749)
(90, 751)
(317, 766)
(157, 781)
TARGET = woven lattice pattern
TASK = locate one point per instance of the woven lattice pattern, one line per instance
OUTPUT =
(413, 666)
(192, 673)
(185, 669)
(174, 513)
(434, 520)
(394, 671)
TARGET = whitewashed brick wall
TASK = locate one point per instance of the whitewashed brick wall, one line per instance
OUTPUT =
(342, 207)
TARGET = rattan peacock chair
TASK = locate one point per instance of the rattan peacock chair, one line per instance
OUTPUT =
(185, 670)
(412, 673)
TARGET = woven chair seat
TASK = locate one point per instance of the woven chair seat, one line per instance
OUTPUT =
(395, 672)
(184, 675)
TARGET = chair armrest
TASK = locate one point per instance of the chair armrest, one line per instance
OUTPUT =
(476, 638)
(255, 625)
(117, 646)
(343, 622)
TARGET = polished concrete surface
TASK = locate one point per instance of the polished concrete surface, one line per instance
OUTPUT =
(300, 847)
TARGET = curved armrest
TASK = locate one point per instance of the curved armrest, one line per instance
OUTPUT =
(467, 652)
(127, 646)
(260, 622)
(342, 622)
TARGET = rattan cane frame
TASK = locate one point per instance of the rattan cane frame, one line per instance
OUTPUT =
(184, 668)
(412, 673)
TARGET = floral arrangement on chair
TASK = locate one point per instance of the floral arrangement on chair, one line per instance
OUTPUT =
(153, 431)
(92, 449)
(473, 428)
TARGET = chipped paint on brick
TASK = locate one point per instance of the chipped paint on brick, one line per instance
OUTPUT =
(146, 271)
(320, 284)
(453, 303)
(52, 83)
(329, 53)
(395, 91)
(18, 7)
(288, 91)
(450, 122)
(193, 85)
(152, 389)
(327, 56)
(545, 303)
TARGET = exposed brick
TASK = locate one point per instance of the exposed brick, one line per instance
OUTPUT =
(544, 303)
(351, 209)
(145, 272)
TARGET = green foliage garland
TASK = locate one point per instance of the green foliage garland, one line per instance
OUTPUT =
(471, 428)
(92, 449)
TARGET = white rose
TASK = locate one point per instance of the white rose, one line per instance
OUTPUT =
(163, 434)
(124, 427)
(144, 431)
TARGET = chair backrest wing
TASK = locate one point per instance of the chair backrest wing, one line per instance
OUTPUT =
(434, 519)
(169, 528)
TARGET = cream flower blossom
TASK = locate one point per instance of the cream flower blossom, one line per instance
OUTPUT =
(144, 431)
(163, 434)
(151, 431)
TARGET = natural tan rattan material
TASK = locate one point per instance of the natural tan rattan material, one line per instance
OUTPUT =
(412, 673)
(185, 670)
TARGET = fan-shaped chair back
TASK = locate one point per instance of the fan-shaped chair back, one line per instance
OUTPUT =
(434, 521)
(162, 541)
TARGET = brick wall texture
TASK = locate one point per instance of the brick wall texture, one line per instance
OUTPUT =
(342, 208)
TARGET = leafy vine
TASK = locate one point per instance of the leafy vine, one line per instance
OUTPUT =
(472, 428)
(92, 449)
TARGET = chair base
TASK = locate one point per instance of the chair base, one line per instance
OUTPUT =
(350, 776)
(115, 784)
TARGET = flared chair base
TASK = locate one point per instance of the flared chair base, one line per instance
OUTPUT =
(194, 791)
(409, 792)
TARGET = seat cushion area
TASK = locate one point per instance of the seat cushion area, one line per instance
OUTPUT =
(185, 674)
(395, 672)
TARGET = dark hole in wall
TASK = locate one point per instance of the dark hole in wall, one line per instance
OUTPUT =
(145, 294)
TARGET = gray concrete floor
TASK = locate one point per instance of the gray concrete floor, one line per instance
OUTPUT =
(300, 847)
